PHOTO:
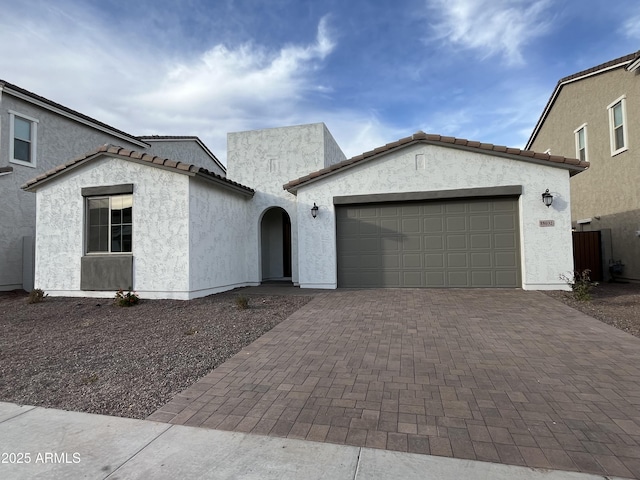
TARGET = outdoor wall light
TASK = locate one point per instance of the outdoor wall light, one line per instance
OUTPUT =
(547, 198)
(314, 209)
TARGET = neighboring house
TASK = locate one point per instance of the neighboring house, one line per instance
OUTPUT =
(37, 134)
(425, 211)
(594, 115)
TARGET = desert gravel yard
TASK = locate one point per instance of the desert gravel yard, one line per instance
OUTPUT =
(89, 355)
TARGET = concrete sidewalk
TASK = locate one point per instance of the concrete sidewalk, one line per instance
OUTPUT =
(47, 443)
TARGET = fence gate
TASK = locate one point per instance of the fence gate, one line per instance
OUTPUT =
(587, 254)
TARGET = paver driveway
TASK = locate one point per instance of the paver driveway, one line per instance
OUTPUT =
(498, 375)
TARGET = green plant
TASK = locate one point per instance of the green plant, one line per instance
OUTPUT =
(581, 285)
(242, 302)
(126, 299)
(36, 295)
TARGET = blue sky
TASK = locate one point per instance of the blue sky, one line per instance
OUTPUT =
(372, 70)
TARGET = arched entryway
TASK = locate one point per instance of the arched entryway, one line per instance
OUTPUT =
(275, 245)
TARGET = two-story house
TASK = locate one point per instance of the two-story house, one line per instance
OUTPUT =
(36, 135)
(594, 115)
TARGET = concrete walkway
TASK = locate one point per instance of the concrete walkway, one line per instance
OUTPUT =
(502, 376)
(55, 444)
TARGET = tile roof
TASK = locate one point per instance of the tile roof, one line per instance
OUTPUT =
(452, 142)
(113, 150)
(9, 87)
(619, 62)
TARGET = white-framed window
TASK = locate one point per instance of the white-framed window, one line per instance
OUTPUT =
(109, 224)
(582, 152)
(618, 125)
(23, 132)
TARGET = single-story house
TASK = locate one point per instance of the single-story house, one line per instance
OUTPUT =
(425, 211)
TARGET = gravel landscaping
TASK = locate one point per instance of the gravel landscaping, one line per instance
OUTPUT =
(90, 355)
(616, 304)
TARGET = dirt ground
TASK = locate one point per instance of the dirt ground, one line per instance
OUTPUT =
(92, 356)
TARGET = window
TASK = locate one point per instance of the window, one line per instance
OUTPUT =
(23, 132)
(581, 143)
(109, 224)
(618, 125)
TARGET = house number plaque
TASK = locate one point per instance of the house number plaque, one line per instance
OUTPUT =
(547, 223)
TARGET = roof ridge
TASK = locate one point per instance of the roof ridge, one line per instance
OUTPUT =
(422, 137)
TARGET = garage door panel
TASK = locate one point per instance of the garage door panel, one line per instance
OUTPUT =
(458, 279)
(456, 224)
(369, 244)
(479, 240)
(435, 279)
(412, 279)
(413, 260)
(456, 242)
(434, 260)
(482, 278)
(505, 278)
(481, 260)
(391, 279)
(457, 260)
(505, 259)
(433, 225)
(411, 243)
(480, 223)
(459, 243)
(505, 240)
(503, 222)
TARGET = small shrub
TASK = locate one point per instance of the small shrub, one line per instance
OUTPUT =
(36, 295)
(581, 285)
(126, 299)
(242, 302)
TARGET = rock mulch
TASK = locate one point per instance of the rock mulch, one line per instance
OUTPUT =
(90, 355)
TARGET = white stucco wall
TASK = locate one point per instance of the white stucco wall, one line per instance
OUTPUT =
(160, 229)
(267, 159)
(218, 238)
(59, 139)
(546, 252)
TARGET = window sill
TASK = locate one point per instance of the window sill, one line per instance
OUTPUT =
(24, 164)
(617, 152)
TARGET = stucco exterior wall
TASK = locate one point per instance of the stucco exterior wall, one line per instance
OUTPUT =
(186, 151)
(265, 160)
(58, 140)
(160, 229)
(218, 240)
(546, 252)
(608, 191)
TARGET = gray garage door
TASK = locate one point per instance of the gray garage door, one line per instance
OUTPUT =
(470, 243)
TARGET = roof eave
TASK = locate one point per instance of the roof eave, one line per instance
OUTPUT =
(6, 88)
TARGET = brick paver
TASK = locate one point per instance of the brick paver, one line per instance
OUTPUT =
(495, 375)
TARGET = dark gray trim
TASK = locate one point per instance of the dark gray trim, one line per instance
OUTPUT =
(107, 190)
(106, 272)
(480, 192)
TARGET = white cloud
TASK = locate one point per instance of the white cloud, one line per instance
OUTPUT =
(631, 27)
(121, 78)
(492, 27)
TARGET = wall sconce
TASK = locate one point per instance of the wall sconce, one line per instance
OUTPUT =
(314, 210)
(547, 198)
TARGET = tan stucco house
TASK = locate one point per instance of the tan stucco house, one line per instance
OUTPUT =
(594, 115)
